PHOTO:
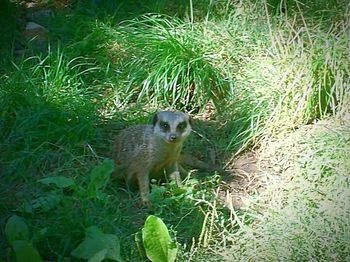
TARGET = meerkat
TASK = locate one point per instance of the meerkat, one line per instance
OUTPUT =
(143, 152)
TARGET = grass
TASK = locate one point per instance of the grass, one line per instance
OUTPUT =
(255, 76)
(304, 214)
(164, 61)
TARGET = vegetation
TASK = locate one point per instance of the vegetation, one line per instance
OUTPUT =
(270, 77)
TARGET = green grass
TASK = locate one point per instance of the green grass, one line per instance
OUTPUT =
(166, 64)
(252, 76)
(304, 213)
(45, 108)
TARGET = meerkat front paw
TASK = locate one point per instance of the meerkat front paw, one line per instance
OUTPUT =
(175, 176)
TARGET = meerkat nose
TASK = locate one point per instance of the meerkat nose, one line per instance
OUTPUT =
(173, 137)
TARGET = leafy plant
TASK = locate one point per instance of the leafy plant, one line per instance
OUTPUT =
(97, 246)
(58, 181)
(17, 234)
(157, 242)
(99, 177)
(43, 203)
(16, 229)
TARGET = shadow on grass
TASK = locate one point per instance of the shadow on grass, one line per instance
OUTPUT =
(50, 128)
(50, 125)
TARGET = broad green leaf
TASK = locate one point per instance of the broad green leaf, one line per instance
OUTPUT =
(99, 178)
(39, 234)
(16, 229)
(44, 203)
(95, 243)
(157, 241)
(26, 208)
(59, 181)
(25, 252)
(99, 256)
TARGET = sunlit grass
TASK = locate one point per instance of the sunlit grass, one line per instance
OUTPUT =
(293, 78)
(166, 64)
(304, 213)
(252, 72)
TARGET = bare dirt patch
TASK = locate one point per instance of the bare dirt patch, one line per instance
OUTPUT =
(241, 181)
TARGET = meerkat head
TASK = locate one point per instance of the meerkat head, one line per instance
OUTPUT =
(172, 126)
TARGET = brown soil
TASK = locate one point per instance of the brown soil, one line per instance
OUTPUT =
(241, 181)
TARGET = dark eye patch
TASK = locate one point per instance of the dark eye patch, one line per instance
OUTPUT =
(164, 125)
(182, 125)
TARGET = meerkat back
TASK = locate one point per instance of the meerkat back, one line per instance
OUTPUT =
(130, 144)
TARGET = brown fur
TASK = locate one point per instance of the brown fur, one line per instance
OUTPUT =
(143, 152)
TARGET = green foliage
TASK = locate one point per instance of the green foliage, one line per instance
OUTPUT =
(157, 242)
(58, 181)
(98, 246)
(42, 203)
(63, 195)
(17, 234)
(166, 63)
(191, 202)
(99, 178)
(46, 113)
(16, 229)
(24, 251)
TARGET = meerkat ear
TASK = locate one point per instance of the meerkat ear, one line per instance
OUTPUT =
(155, 119)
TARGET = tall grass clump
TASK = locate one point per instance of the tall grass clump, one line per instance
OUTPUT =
(47, 113)
(152, 59)
(166, 64)
(294, 75)
(300, 76)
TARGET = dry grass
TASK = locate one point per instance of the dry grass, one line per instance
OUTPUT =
(303, 211)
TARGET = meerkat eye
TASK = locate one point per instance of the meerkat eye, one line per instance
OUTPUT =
(164, 125)
(182, 126)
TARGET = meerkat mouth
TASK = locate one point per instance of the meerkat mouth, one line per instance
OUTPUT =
(173, 141)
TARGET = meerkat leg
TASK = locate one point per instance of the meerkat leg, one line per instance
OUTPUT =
(143, 181)
(174, 174)
(176, 177)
